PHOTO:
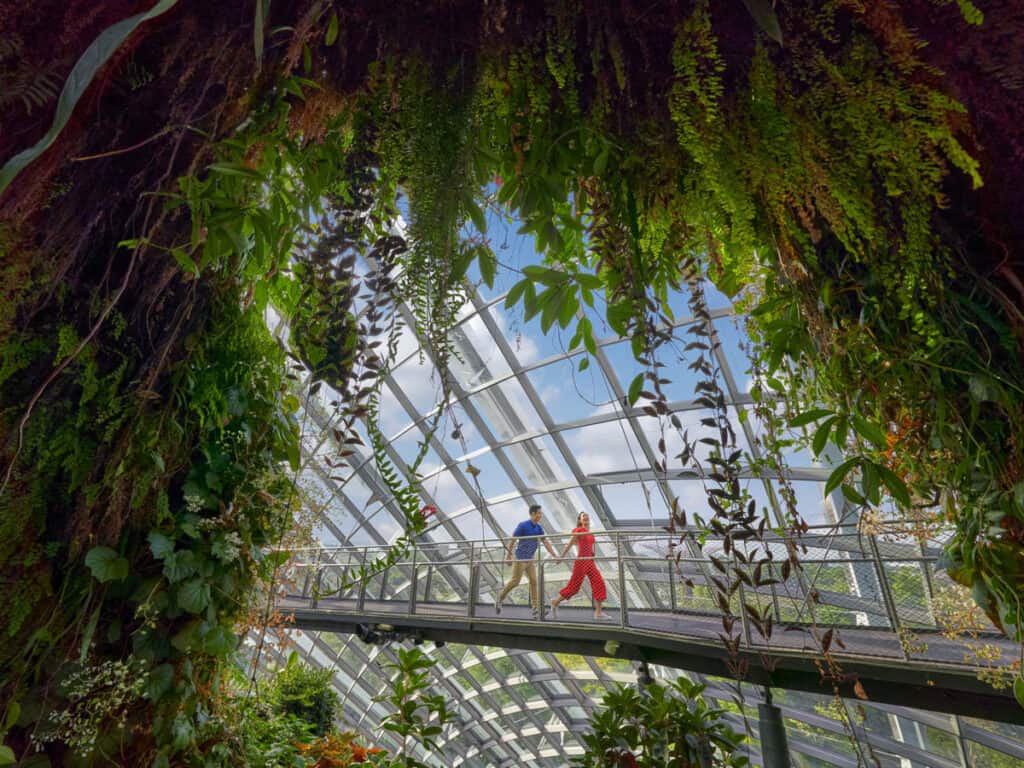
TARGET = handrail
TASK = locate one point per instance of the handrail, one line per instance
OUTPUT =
(844, 583)
(770, 537)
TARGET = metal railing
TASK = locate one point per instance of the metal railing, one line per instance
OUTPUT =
(880, 590)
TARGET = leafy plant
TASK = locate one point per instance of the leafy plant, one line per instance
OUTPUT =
(659, 726)
(306, 694)
(418, 718)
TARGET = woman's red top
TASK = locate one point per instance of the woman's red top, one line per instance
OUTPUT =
(584, 542)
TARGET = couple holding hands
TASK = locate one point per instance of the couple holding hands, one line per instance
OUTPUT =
(529, 533)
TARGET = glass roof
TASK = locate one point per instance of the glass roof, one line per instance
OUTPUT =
(526, 426)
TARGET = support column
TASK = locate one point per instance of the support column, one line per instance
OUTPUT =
(774, 748)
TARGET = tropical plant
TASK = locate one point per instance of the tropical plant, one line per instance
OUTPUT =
(660, 725)
(419, 717)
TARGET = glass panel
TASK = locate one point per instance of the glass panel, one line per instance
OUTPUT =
(634, 502)
(570, 394)
(506, 410)
(481, 359)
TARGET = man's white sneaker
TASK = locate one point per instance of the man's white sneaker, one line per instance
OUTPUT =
(497, 607)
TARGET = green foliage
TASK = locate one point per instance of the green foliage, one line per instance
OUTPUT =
(662, 725)
(418, 717)
(305, 693)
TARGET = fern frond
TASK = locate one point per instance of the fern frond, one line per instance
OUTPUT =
(33, 88)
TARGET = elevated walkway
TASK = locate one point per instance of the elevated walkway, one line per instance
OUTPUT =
(883, 601)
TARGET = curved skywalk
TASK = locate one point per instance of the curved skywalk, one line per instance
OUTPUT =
(526, 426)
(661, 609)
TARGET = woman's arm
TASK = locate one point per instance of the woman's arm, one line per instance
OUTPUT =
(568, 545)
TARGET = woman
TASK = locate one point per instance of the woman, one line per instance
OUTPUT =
(583, 565)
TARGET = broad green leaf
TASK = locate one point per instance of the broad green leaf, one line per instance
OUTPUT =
(7, 756)
(179, 565)
(235, 169)
(869, 482)
(588, 336)
(160, 680)
(552, 307)
(635, 387)
(821, 435)
(807, 417)
(194, 595)
(488, 266)
(476, 214)
(839, 474)
(1018, 690)
(83, 73)
(619, 315)
(106, 565)
(219, 641)
(277, 558)
(839, 433)
(516, 293)
(160, 544)
(870, 432)
(332, 30)
(896, 486)
(568, 310)
(530, 304)
(584, 364)
(182, 732)
(13, 713)
(852, 495)
(188, 637)
(545, 275)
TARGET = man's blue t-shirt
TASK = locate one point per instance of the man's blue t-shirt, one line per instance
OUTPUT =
(527, 547)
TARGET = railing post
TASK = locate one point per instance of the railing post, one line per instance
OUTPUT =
(413, 584)
(671, 583)
(471, 608)
(743, 616)
(384, 583)
(890, 605)
(624, 617)
(315, 596)
(541, 597)
(361, 601)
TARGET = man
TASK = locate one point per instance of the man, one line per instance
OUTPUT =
(526, 533)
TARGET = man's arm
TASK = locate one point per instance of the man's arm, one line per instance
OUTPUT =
(547, 545)
(512, 542)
